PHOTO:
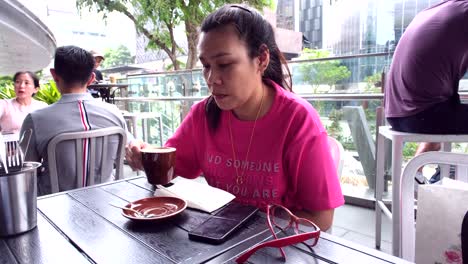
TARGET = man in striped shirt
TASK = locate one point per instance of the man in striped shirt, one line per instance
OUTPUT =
(76, 111)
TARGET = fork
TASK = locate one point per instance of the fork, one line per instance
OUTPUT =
(14, 159)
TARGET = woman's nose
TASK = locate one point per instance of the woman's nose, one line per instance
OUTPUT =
(212, 78)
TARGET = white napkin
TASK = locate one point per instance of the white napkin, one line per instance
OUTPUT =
(198, 195)
(455, 184)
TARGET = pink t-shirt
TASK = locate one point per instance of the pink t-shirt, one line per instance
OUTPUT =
(289, 161)
(12, 114)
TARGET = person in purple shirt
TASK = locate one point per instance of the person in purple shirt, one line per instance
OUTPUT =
(421, 90)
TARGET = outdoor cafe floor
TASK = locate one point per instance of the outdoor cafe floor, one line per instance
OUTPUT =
(351, 222)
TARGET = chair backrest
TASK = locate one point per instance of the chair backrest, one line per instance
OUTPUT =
(407, 228)
(363, 140)
(93, 151)
(337, 152)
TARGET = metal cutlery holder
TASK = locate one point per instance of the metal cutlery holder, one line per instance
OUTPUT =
(18, 200)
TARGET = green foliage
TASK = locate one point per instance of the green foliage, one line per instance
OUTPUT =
(370, 117)
(5, 81)
(171, 66)
(48, 93)
(117, 57)
(409, 150)
(348, 143)
(373, 83)
(7, 91)
(334, 129)
(318, 73)
(156, 20)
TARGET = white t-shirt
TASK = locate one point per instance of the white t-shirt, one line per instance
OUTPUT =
(12, 113)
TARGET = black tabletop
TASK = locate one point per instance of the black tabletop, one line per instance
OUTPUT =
(80, 226)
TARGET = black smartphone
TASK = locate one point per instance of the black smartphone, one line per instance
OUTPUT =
(237, 211)
(217, 228)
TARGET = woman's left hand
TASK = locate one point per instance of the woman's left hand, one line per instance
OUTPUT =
(133, 154)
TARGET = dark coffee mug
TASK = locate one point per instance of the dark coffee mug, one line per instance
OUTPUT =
(159, 164)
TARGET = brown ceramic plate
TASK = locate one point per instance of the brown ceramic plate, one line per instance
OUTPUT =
(154, 208)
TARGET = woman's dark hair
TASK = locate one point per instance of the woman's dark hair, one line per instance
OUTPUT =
(255, 31)
(31, 74)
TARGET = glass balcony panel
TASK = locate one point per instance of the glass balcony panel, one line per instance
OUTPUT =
(345, 91)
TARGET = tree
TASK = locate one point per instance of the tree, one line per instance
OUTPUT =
(321, 72)
(117, 57)
(373, 83)
(157, 19)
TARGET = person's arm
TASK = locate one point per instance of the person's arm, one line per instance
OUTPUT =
(184, 140)
(323, 219)
(132, 147)
(133, 153)
(317, 185)
(132, 150)
(188, 139)
(131, 139)
(313, 189)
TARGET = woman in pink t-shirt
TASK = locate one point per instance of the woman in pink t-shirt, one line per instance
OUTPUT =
(13, 111)
(253, 137)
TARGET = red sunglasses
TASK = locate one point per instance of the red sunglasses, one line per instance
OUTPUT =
(281, 218)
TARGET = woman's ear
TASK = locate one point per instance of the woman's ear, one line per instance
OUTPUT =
(263, 58)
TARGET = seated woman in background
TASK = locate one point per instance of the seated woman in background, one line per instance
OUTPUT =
(253, 137)
(13, 111)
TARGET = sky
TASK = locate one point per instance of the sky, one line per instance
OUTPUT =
(88, 30)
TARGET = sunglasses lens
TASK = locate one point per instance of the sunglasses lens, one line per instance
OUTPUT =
(281, 218)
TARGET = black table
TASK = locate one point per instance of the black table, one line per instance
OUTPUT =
(79, 226)
(105, 89)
